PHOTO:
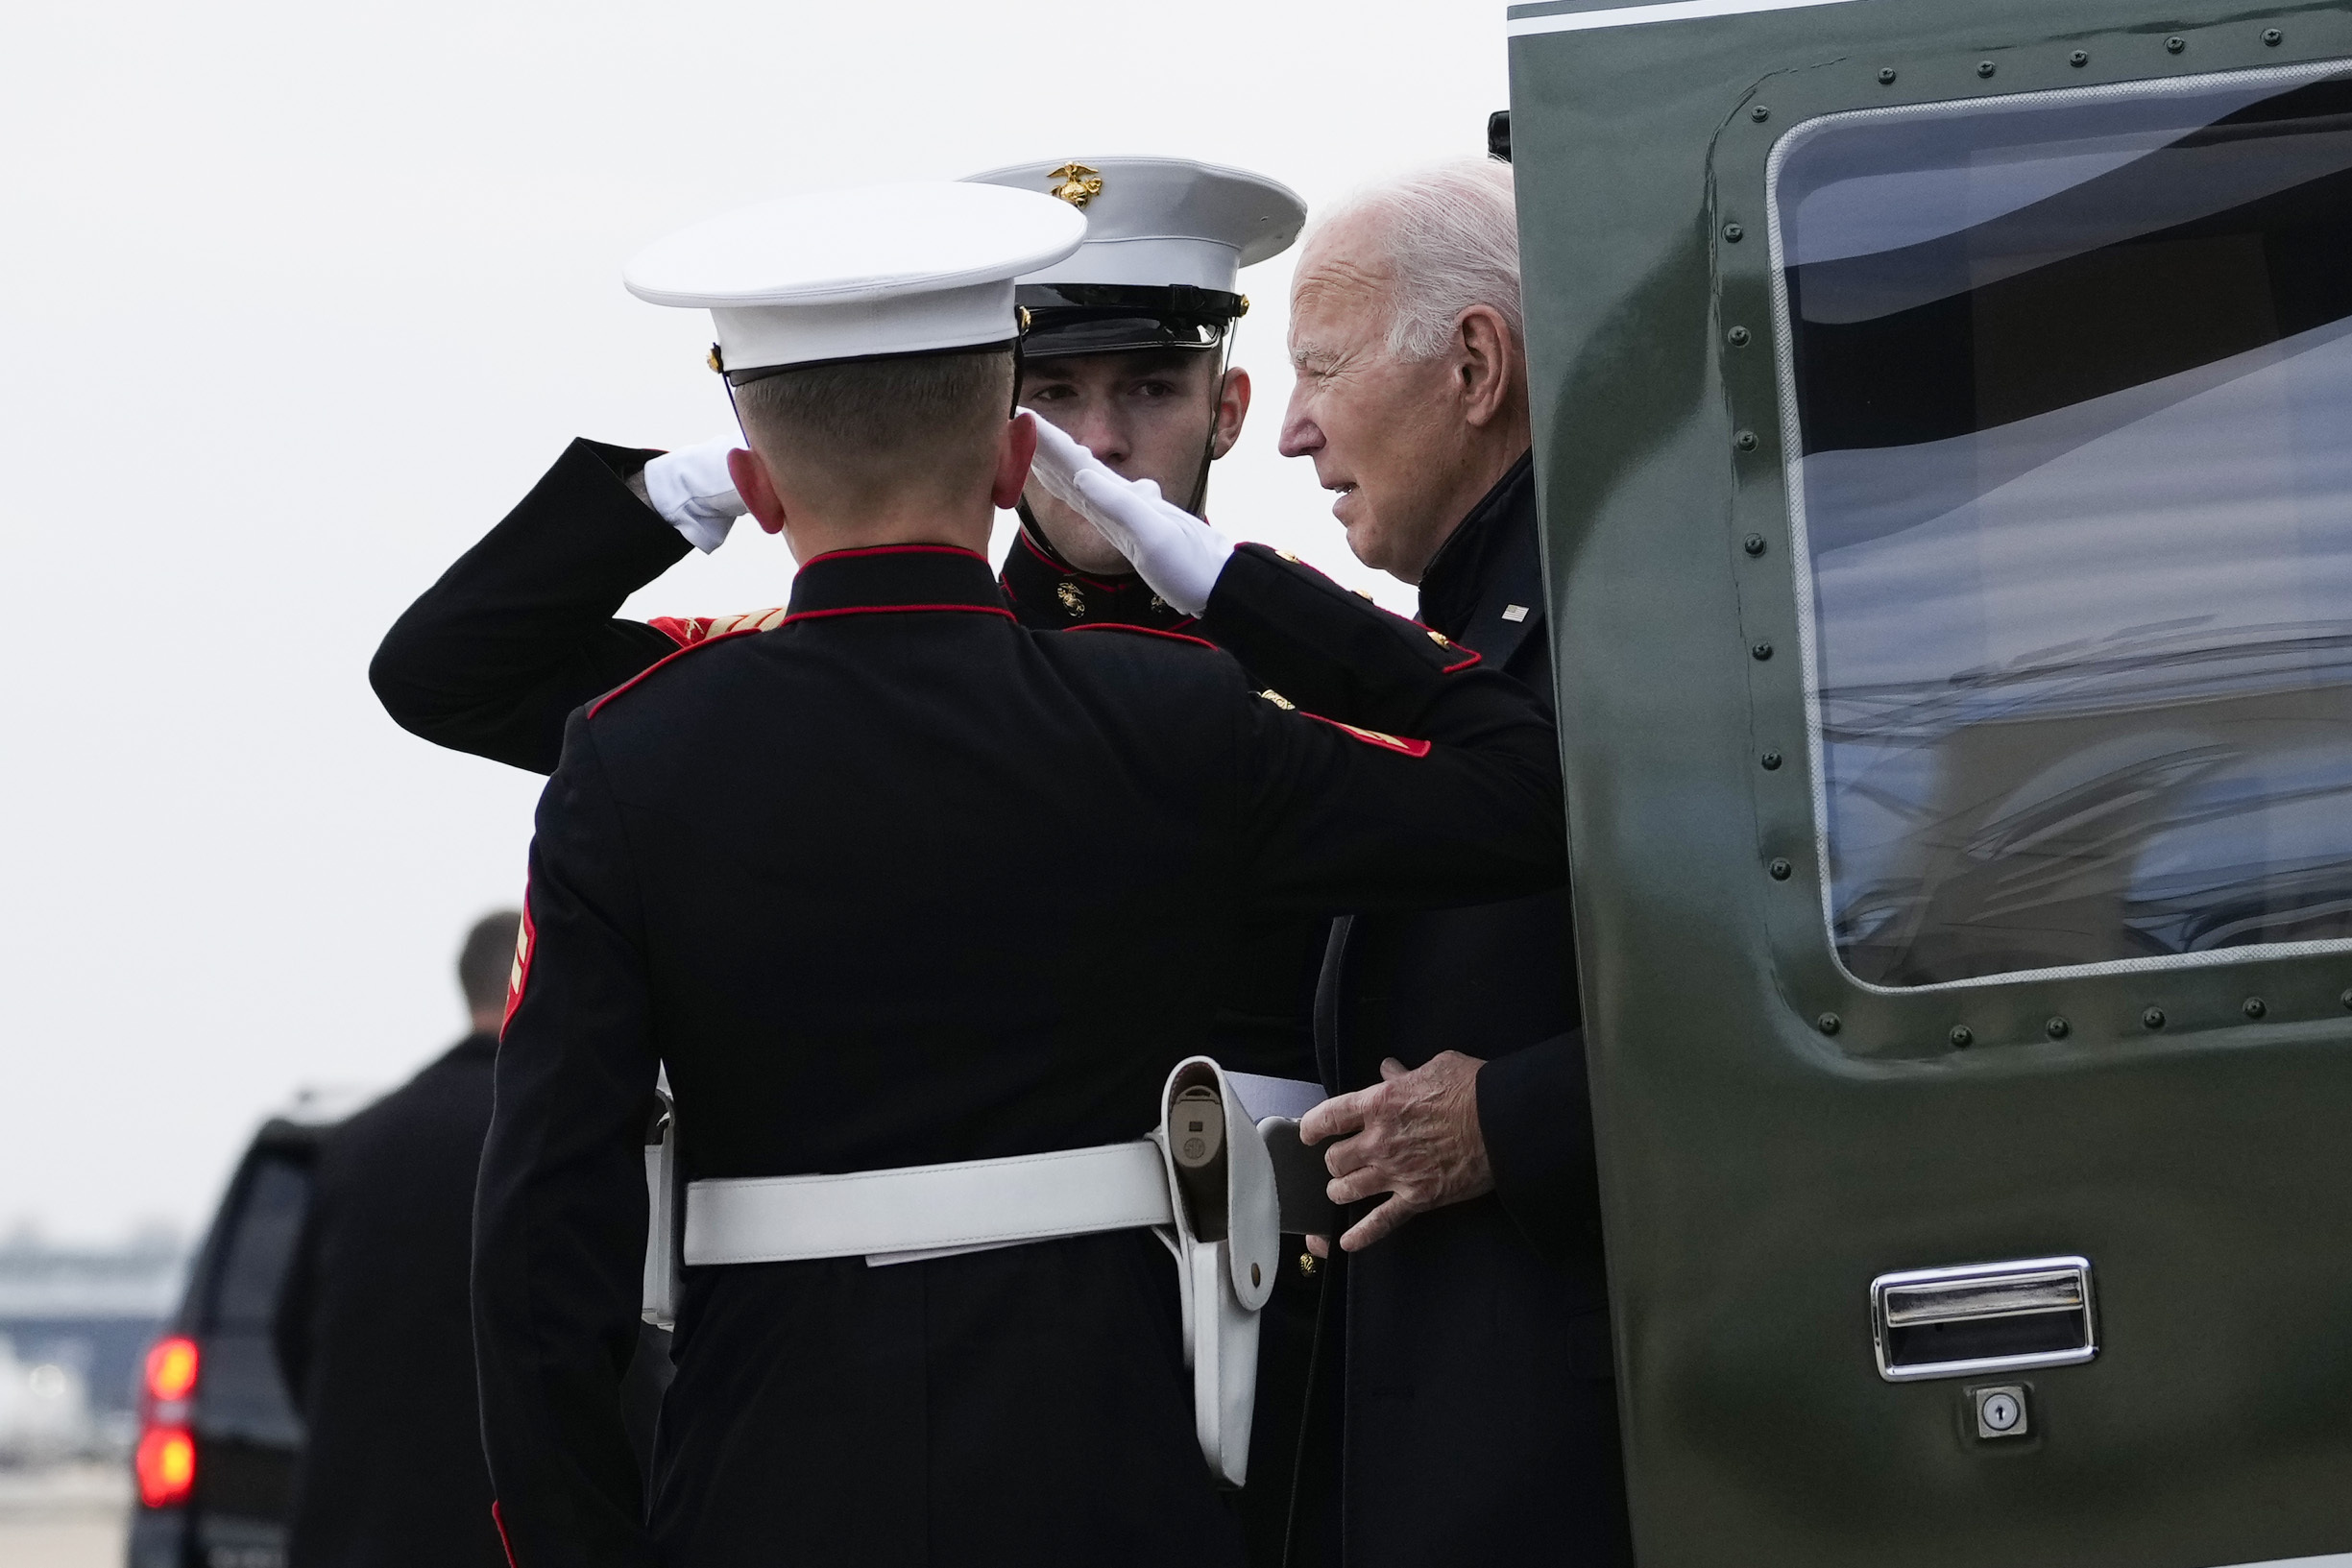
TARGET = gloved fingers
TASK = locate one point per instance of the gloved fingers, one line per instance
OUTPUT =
(693, 474)
(1108, 502)
(693, 492)
(1059, 460)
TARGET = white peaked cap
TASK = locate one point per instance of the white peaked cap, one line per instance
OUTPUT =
(1152, 222)
(899, 269)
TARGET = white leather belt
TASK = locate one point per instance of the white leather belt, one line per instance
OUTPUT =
(926, 1209)
(1223, 1235)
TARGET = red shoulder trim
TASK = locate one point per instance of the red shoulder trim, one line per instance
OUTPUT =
(1139, 631)
(890, 610)
(687, 630)
(597, 707)
(895, 549)
(527, 938)
(1399, 744)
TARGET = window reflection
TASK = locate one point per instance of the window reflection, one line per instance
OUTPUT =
(2073, 385)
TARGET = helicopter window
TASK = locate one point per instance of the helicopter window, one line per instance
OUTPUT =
(2071, 385)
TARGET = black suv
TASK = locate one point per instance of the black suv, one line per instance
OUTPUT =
(217, 1433)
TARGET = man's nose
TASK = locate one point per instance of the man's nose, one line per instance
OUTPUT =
(1302, 436)
(1102, 435)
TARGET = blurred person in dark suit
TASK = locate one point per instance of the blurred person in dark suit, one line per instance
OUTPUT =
(375, 1335)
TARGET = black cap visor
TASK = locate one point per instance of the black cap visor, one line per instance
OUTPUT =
(1067, 319)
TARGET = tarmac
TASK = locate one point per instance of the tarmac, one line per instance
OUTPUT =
(73, 1515)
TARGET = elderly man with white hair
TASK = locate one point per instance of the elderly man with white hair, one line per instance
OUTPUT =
(1475, 1400)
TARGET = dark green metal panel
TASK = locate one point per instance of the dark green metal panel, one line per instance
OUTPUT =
(1759, 1170)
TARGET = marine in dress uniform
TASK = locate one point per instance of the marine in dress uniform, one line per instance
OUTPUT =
(789, 864)
(521, 631)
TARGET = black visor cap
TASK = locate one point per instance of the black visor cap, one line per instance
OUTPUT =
(1067, 319)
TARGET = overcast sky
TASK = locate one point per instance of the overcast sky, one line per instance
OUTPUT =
(299, 299)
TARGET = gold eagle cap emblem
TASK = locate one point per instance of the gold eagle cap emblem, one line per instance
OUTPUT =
(1079, 185)
(1073, 598)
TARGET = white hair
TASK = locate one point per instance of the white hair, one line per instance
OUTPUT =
(1450, 234)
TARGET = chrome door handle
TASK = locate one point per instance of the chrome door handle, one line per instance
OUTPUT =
(1985, 1318)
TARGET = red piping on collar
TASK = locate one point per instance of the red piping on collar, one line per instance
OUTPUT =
(1060, 570)
(597, 707)
(895, 549)
(1141, 631)
(1451, 642)
(892, 610)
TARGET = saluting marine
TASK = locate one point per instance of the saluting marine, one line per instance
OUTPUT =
(1128, 349)
(786, 867)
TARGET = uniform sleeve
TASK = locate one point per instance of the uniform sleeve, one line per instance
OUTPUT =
(1535, 1110)
(1382, 767)
(559, 1227)
(521, 631)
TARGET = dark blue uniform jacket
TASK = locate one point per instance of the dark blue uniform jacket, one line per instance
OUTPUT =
(521, 631)
(797, 866)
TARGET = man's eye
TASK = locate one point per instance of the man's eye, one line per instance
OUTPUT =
(1154, 388)
(1047, 395)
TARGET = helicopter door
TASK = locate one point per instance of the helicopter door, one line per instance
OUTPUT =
(1944, 429)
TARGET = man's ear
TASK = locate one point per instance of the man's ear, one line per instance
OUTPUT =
(749, 471)
(1486, 364)
(1012, 460)
(1232, 407)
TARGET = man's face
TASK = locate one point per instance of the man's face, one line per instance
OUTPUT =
(1146, 415)
(1385, 433)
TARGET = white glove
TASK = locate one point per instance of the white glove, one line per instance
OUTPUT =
(692, 492)
(1175, 552)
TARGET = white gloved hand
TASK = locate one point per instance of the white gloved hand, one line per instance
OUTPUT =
(691, 490)
(1176, 553)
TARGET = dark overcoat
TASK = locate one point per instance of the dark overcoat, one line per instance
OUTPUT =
(1475, 1401)
(789, 866)
(374, 1338)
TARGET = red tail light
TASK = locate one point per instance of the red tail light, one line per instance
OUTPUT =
(171, 1371)
(165, 1461)
(166, 1465)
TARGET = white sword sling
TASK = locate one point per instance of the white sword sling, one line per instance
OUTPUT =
(1203, 1181)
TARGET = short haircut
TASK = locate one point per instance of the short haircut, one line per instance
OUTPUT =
(867, 415)
(487, 959)
(1450, 234)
